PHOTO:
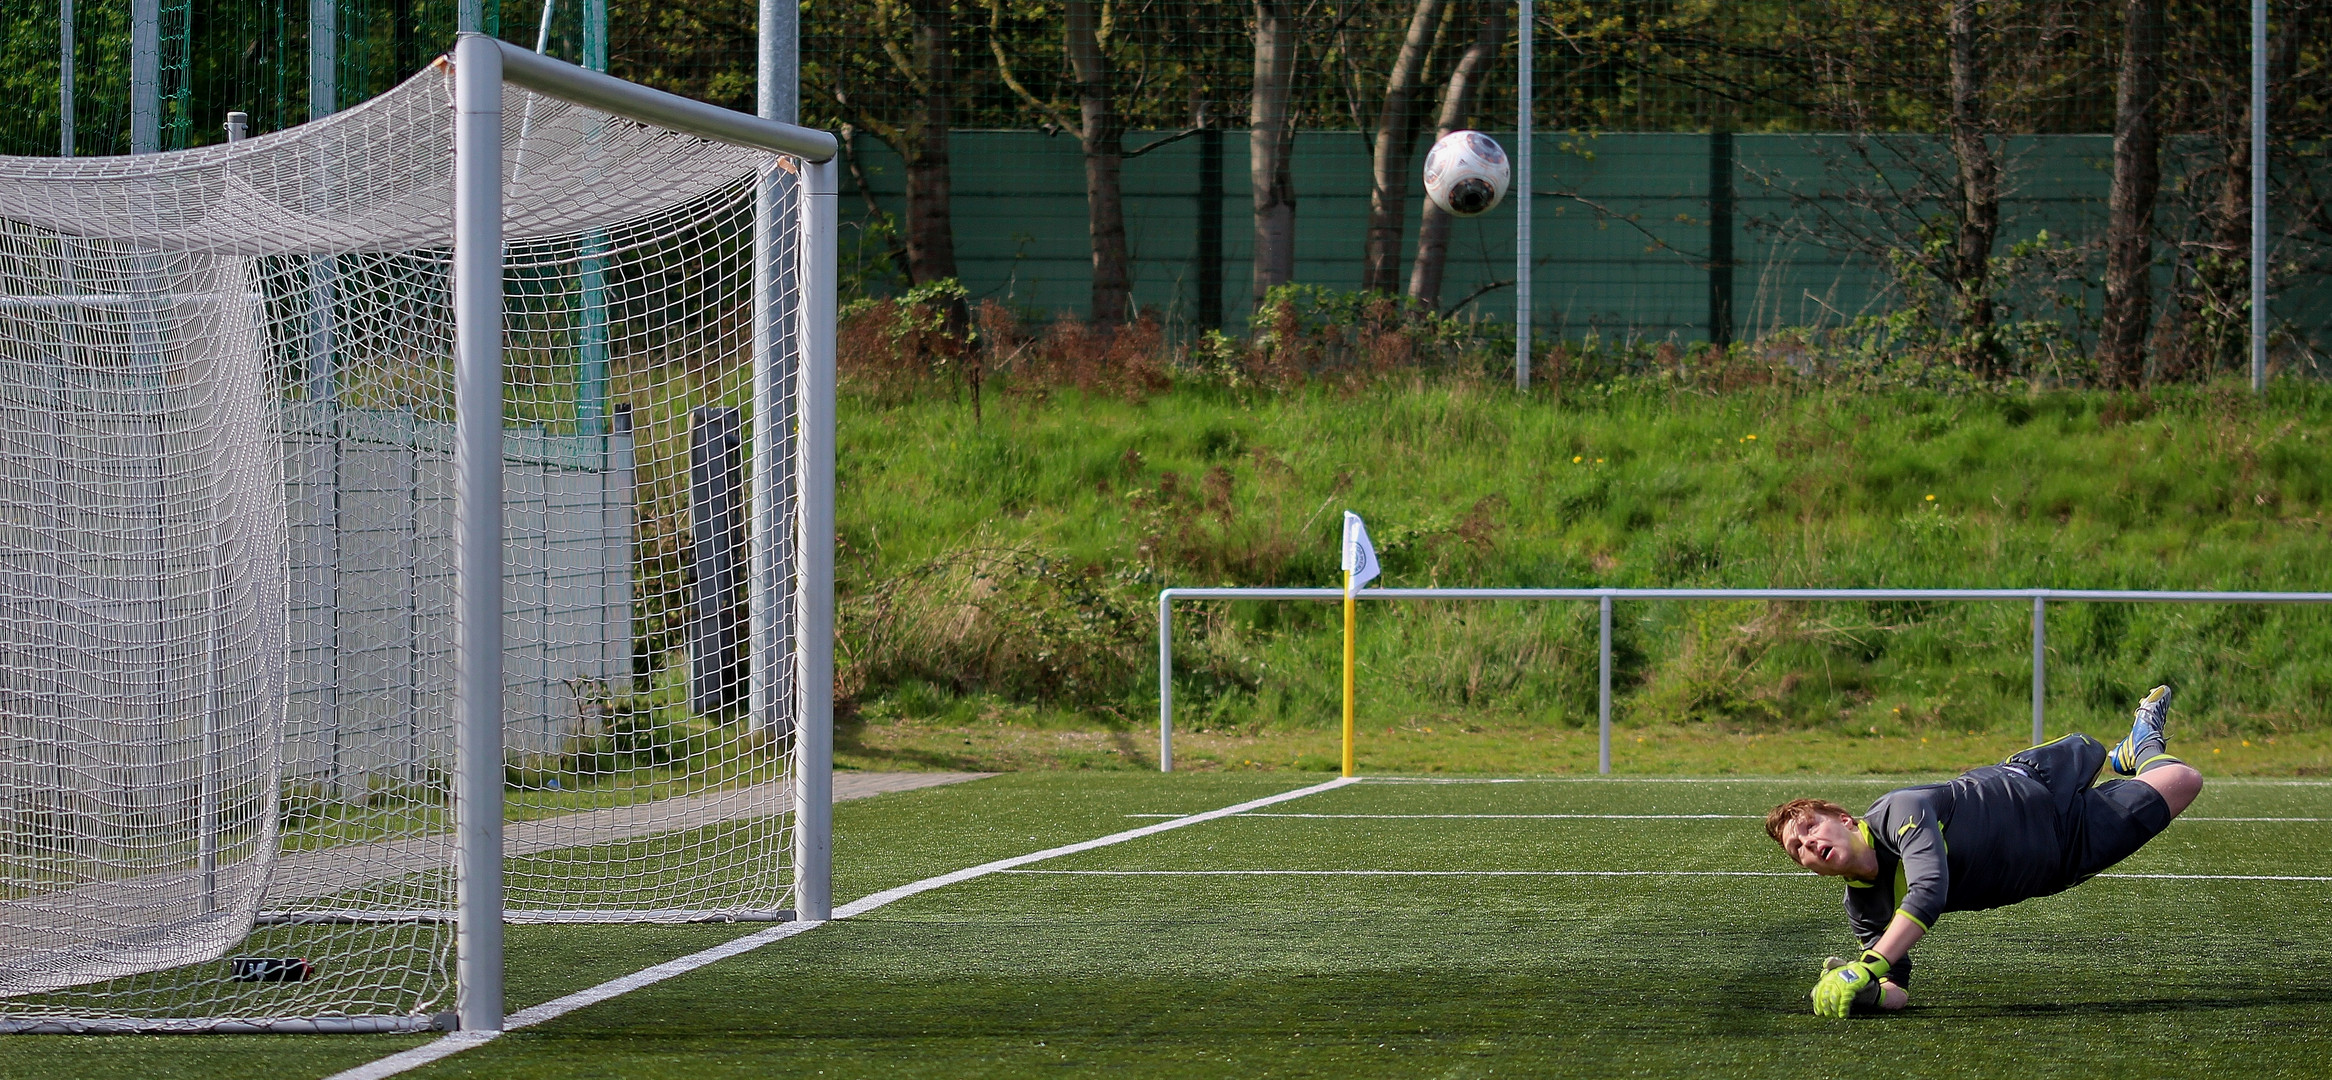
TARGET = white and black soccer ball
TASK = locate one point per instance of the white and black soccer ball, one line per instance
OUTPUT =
(1466, 173)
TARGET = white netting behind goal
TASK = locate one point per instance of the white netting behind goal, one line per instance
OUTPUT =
(226, 561)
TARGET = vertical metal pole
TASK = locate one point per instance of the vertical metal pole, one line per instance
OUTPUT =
(1720, 236)
(780, 60)
(814, 769)
(2259, 151)
(238, 124)
(470, 16)
(793, 407)
(145, 76)
(1210, 228)
(595, 35)
(1603, 694)
(1522, 180)
(64, 78)
(477, 306)
(2040, 647)
(1165, 680)
(323, 58)
(323, 270)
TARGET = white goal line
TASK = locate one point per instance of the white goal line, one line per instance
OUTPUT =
(459, 1041)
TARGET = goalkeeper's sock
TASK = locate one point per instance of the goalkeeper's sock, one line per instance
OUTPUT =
(2158, 760)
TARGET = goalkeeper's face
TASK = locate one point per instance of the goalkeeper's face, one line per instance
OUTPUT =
(1823, 843)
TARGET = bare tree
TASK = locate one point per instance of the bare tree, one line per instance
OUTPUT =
(930, 225)
(902, 92)
(1979, 195)
(1101, 138)
(1271, 143)
(1396, 143)
(1457, 103)
(2137, 177)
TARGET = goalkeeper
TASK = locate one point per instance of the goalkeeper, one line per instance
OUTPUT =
(2030, 826)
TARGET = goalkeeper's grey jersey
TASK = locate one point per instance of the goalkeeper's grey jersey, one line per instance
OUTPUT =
(1989, 837)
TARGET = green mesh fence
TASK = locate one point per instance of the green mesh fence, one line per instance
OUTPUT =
(1708, 169)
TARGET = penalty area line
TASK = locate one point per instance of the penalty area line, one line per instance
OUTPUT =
(1625, 817)
(457, 1042)
(1418, 873)
(1583, 873)
(1501, 817)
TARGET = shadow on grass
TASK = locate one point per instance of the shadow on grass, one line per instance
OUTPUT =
(2313, 997)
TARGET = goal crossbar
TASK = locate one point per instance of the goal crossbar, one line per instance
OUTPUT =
(2038, 598)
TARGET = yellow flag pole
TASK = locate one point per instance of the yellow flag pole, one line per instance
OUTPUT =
(1348, 621)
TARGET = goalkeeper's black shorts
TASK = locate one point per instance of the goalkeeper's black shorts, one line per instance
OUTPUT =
(2100, 825)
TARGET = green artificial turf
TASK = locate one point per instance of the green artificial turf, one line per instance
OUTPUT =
(1464, 974)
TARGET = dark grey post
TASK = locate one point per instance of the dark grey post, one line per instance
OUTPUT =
(1720, 237)
(1210, 228)
(716, 531)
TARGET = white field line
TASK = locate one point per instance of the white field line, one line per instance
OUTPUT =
(1576, 873)
(1418, 873)
(1802, 781)
(1501, 817)
(1624, 817)
(459, 1041)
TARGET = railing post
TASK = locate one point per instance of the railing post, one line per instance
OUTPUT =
(1603, 695)
(1165, 680)
(2040, 645)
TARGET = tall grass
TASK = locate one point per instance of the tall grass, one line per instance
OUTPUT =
(1010, 563)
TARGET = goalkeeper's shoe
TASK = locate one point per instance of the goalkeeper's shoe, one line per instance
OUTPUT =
(2146, 738)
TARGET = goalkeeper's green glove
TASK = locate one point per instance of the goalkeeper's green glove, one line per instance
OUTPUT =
(1835, 994)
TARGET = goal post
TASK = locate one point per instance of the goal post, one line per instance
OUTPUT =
(323, 656)
(482, 65)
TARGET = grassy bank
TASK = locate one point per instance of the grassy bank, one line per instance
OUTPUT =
(1006, 568)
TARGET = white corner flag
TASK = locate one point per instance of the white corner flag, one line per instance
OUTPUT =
(1360, 556)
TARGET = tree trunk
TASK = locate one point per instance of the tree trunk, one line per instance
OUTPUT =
(1396, 143)
(2137, 176)
(930, 226)
(1104, 150)
(1457, 103)
(1979, 190)
(1270, 143)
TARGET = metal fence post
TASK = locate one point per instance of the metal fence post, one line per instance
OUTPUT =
(1165, 680)
(2040, 644)
(2259, 223)
(1603, 696)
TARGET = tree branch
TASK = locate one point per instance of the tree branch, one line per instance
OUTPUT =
(1004, 68)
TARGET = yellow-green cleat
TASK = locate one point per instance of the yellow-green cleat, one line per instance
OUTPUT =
(2146, 738)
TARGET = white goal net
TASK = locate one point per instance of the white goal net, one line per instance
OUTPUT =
(228, 559)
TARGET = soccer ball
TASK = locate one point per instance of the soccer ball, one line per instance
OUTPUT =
(1466, 173)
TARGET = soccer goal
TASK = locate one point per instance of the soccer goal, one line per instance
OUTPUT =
(410, 521)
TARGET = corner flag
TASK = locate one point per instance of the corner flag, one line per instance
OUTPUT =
(1360, 556)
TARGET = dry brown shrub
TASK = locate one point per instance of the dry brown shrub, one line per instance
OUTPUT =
(1122, 361)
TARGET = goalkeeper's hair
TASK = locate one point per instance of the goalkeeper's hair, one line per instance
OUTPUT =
(1800, 810)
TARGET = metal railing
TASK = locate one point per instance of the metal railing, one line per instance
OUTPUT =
(2039, 598)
